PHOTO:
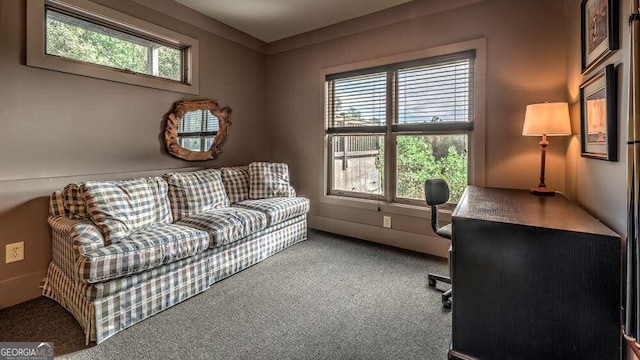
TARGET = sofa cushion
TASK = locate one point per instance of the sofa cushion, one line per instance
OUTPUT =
(226, 225)
(142, 250)
(194, 192)
(122, 207)
(236, 182)
(277, 209)
(269, 180)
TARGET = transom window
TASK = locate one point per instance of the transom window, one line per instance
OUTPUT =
(391, 127)
(77, 37)
(84, 38)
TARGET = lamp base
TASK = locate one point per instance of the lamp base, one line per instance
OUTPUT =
(542, 191)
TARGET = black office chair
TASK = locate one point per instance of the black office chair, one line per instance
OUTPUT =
(437, 192)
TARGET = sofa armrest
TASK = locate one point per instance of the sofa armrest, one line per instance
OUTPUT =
(71, 239)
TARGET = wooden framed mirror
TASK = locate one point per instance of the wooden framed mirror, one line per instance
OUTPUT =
(196, 130)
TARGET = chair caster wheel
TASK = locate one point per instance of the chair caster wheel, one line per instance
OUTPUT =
(446, 303)
(432, 282)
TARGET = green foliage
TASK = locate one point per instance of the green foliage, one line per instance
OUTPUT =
(423, 157)
(415, 162)
(169, 63)
(453, 168)
(76, 42)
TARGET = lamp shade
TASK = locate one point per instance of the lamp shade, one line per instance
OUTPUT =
(551, 119)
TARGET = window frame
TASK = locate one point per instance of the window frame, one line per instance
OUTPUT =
(83, 9)
(475, 144)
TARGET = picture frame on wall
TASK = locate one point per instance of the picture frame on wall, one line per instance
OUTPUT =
(599, 31)
(599, 116)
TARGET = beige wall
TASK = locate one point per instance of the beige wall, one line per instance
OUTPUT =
(598, 186)
(59, 128)
(525, 63)
(277, 114)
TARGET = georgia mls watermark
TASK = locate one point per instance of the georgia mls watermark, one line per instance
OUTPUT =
(26, 351)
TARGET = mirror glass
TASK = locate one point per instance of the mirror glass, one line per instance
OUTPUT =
(197, 130)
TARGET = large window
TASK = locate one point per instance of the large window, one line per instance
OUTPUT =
(84, 38)
(391, 127)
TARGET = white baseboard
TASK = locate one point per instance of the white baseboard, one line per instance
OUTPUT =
(417, 242)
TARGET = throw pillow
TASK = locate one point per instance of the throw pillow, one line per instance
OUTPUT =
(73, 201)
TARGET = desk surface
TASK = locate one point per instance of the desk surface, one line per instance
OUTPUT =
(523, 208)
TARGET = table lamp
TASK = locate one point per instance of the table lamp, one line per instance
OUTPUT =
(548, 119)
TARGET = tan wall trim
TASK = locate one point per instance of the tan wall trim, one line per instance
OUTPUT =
(13, 193)
(105, 175)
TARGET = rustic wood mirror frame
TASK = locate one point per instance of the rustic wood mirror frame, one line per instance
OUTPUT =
(173, 124)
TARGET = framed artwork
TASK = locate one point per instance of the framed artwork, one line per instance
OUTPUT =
(599, 116)
(600, 31)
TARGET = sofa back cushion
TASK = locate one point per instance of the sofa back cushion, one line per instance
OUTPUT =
(236, 183)
(194, 192)
(119, 208)
(269, 180)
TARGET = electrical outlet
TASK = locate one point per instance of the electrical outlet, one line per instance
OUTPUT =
(14, 252)
(386, 222)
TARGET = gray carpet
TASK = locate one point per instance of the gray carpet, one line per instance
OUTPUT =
(329, 297)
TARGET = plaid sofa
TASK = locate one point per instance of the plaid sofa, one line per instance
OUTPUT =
(126, 250)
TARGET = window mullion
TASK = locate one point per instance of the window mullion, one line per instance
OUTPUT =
(330, 164)
(390, 139)
(332, 104)
(330, 138)
(204, 126)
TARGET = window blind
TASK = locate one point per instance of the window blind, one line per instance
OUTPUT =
(433, 94)
(436, 92)
(358, 101)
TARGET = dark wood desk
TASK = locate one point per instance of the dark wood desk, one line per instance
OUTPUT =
(533, 278)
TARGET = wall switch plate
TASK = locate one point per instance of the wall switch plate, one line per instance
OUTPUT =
(386, 222)
(14, 252)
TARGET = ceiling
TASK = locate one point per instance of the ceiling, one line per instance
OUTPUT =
(271, 20)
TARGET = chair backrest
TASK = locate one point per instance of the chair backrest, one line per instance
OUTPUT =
(436, 192)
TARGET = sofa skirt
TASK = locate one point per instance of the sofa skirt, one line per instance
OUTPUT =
(103, 317)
